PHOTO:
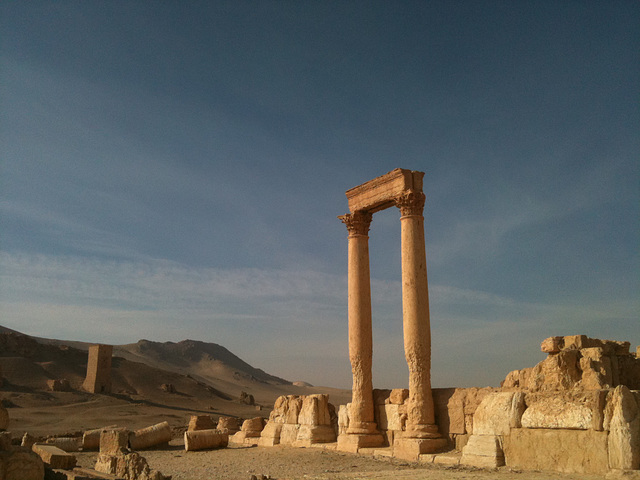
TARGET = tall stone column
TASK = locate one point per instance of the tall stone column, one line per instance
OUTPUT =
(417, 329)
(362, 431)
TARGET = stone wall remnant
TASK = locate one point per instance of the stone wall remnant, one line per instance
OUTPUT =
(98, 379)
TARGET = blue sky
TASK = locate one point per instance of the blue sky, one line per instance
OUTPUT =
(174, 170)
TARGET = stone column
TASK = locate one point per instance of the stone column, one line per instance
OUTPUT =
(415, 317)
(362, 431)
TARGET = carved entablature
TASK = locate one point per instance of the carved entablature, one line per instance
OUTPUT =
(358, 222)
(410, 203)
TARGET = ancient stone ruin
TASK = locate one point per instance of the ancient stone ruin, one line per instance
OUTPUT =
(402, 188)
(98, 378)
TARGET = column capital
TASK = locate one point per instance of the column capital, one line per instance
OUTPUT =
(357, 222)
(410, 203)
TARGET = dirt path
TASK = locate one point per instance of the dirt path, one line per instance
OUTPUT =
(286, 463)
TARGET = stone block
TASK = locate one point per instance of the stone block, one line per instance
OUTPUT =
(114, 442)
(567, 451)
(289, 433)
(54, 457)
(68, 444)
(391, 416)
(498, 413)
(253, 426)
(315, 410)
(310, 434)
(354, 442)
(622, 420)
(398, 396)
(201, 422)
(410, 449)
(270, 435)
(380, 193)
(381, 396)
(343, 418)
(229, 424)
(483, 451)
(91, 438)
(204, 440)
(21, 465)
(61, 385)
(131, 466)
(552, 344)
(556, 412)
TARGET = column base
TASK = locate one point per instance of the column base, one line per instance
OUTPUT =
(352, 442)
(411, 448)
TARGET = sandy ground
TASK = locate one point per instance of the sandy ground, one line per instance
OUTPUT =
(287, 463)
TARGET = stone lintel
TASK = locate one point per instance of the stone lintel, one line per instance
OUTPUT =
(380, 193)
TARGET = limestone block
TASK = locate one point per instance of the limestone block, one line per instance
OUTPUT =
(568, 451)
(229, 424)
(597, 372)
(201, 422)
(21, 465)
(398, 396)
(483, 451)
(629, 371)
(552, 344)
(557, 412)
(270, 435)
(576, 342)
(131, 466)
(152, 436)
(556, 372)
(411, 448)
(289, 433)
(91, 438)
(473, 397)
(68, 444)
(310, 434)
(315, 410)
(4, 418)
(114, 442)
(286, 409)
(498, 413)
(343, 418)
(204, 439)
(391, 416)
(54, 457)
(28, 440)
(622, 420)
(253, 426)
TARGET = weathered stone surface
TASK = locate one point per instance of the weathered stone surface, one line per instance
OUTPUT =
(27, 441)
(114, 442)
(270, 435)
(556, 412)
(411, 448)
(131, 466)
(391, 416)
(498, 413)
(253, 426)
(310, 434)
(201, 422)
(483, 451)
(622, 420)
(68, 444)
(98, 378)
(398, 396)
(229, 424)
(54, 456)
(204, 439)
(152, 436)
(315, 410)
(21, 465)
(343, 418)
(286, 409)
(289, 433)
(556, 372)
(597, 371)
(568, 451)
(552, 344)
(91, 438)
